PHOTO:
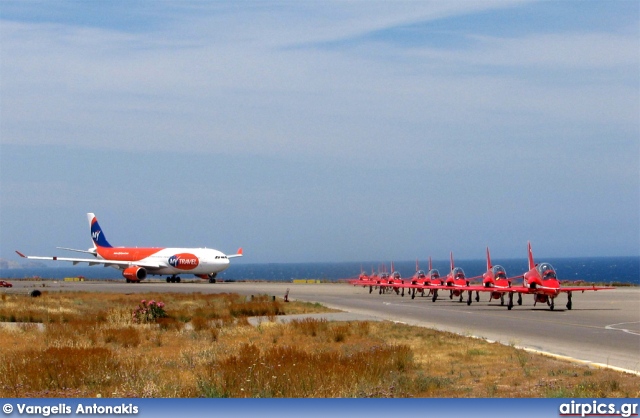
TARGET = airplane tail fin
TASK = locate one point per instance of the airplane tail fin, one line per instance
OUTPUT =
(451, 258)
(430, 268)
(489, 266)
(97, 235)
(531, 263)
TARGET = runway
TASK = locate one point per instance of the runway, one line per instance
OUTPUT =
(603, 328)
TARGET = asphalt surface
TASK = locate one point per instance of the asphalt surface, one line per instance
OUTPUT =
(603, 328)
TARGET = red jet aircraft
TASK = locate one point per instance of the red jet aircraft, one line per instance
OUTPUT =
(542, 282)
(391, 281)
(422, 281)
(381, 280)
(495, 281)
(456, 282)
(363, 279)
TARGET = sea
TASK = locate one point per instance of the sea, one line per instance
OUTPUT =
(607, 270)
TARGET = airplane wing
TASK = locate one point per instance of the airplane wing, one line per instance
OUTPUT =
(412, 286)
(366, 283)
(394, 284)
(483, 288)
(93, 262)
(360, 282)
(513, 289)
(94, 251)
(583, 288)
(239, 254)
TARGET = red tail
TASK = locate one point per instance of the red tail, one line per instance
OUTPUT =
(451, 257)
(417, 266)
(531, 263)
(489, 266)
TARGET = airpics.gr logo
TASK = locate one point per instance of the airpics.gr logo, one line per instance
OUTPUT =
(184, 261)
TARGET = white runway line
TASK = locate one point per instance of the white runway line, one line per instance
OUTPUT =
(628, 331)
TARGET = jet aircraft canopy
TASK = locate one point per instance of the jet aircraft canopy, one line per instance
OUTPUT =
(434, 274)
(499, 272)
(458, 273)
(546, 271)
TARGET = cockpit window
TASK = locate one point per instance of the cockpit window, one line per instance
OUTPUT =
(546, 271)
(499, 272)
(396, 275)
(434, 274)
(458, 273)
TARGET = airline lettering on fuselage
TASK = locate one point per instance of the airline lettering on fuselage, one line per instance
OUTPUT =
(184, 261)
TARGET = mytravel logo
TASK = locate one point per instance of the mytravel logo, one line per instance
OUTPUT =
(184, 261)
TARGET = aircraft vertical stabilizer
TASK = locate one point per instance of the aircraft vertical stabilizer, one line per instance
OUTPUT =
(531, 263)
(97, 236)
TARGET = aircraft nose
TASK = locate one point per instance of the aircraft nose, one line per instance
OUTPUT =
(534, 282)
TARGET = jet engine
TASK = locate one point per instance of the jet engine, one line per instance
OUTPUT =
(134, 274)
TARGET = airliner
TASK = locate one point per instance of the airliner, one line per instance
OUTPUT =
(136, 263)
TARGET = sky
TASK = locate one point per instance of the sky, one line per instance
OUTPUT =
(322, 131)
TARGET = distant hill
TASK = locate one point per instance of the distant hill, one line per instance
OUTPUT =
(7, 264)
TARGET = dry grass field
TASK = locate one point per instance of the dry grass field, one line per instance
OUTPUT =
(195, 345)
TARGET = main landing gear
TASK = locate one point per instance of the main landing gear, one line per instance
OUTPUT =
(544, 299)
(173, 279)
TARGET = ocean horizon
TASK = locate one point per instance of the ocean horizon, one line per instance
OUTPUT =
(588, 269)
